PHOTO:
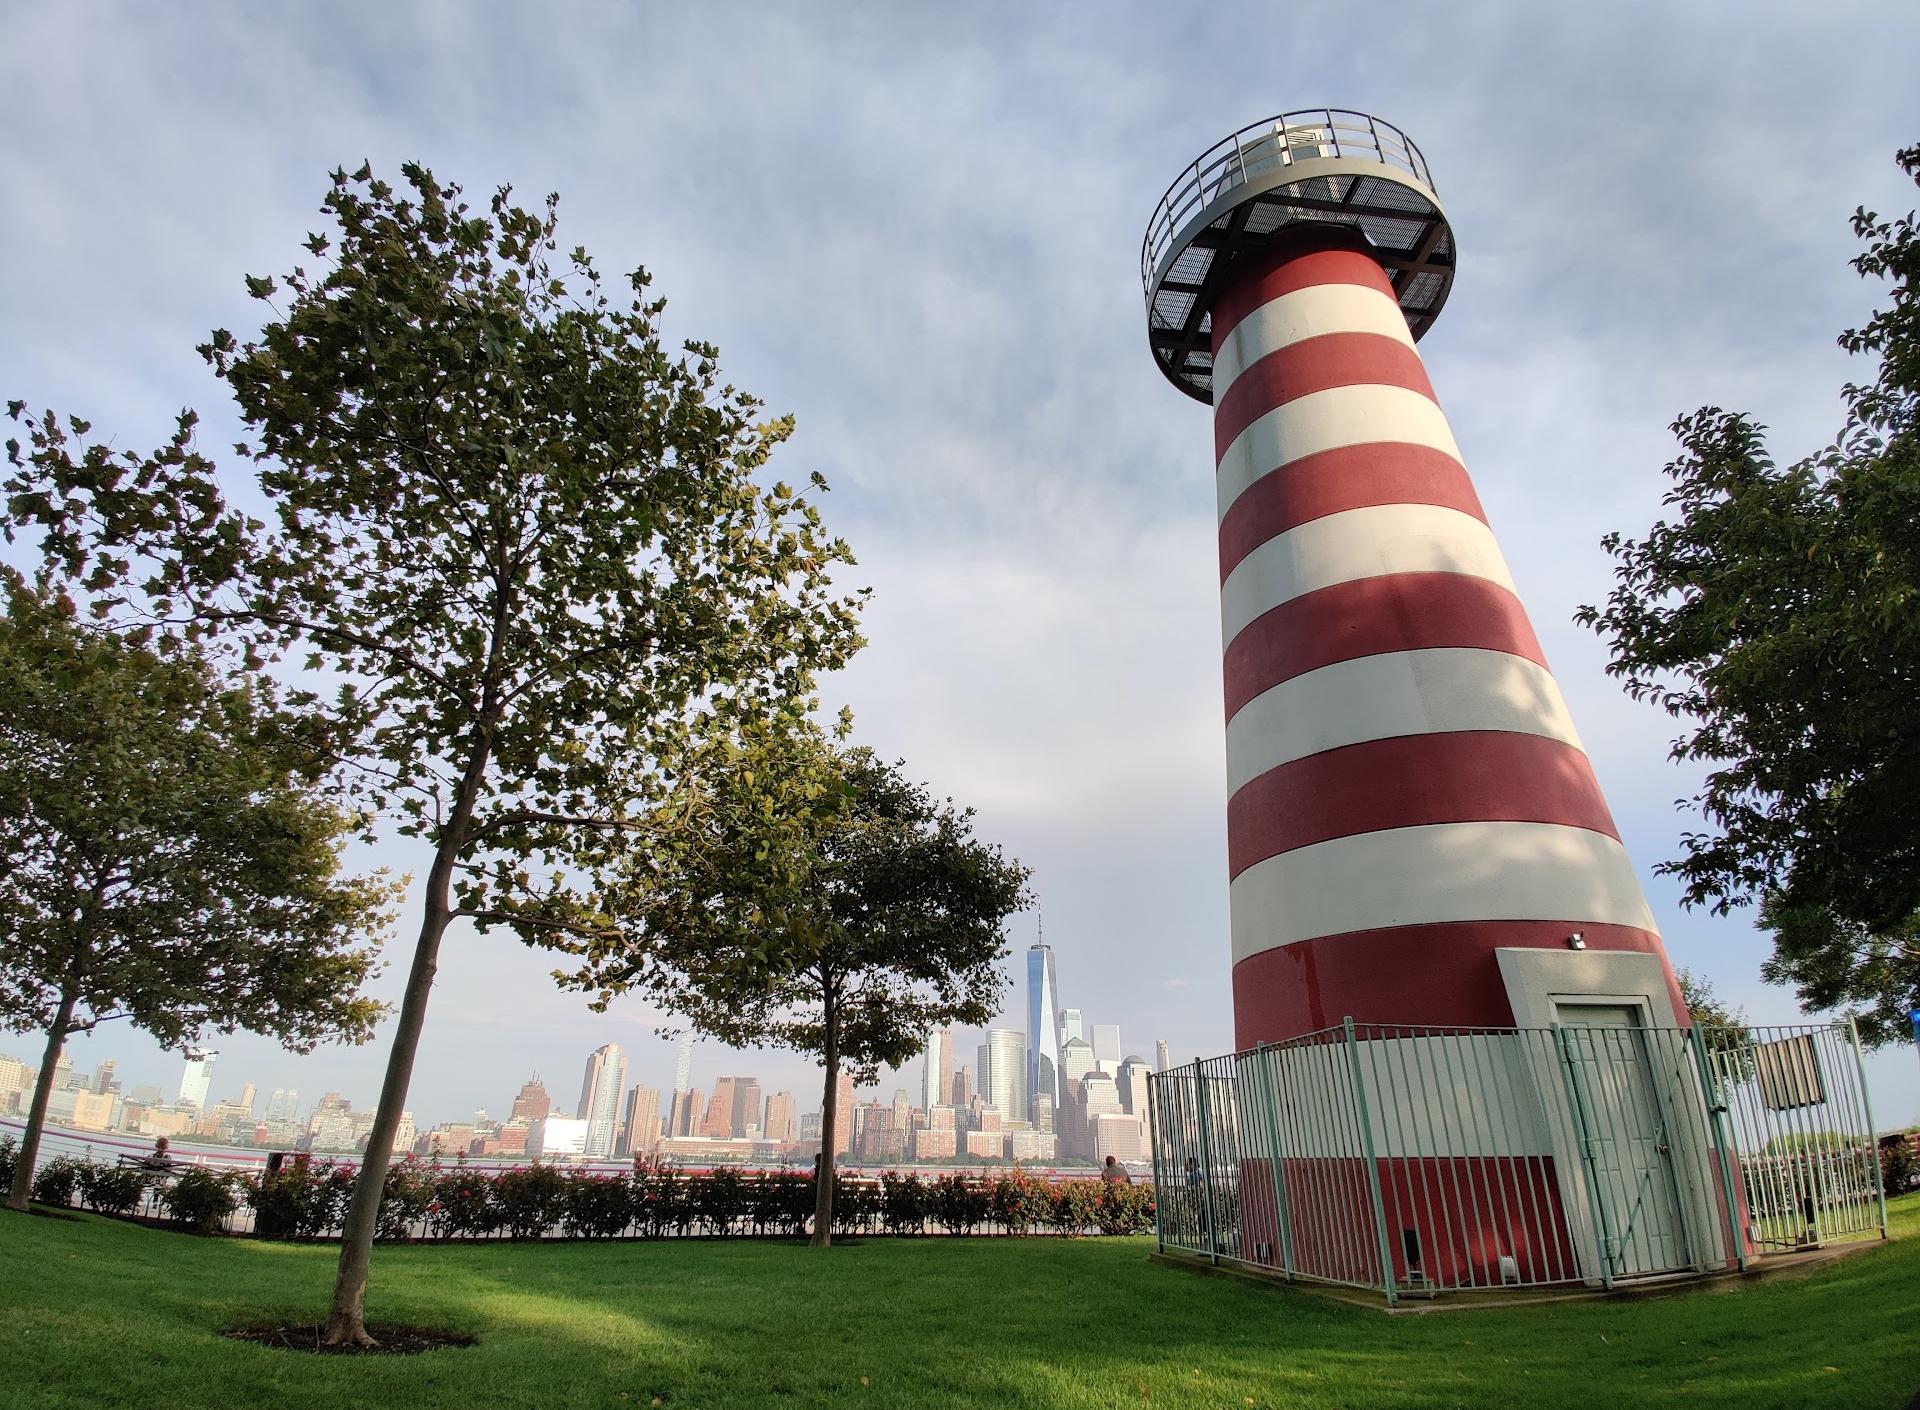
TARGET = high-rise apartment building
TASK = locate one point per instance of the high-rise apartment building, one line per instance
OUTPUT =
(198, 1077)
(688, 1110)
(283, 1104)
(1003, 1069)
(683, 1064)
(843, 1114)
(248, 1095)
(639, 1122)
(936, 1077)
(1106, 1047)
(600, 1090)
(746, 1106)
(719, 1123)
(533, 1103)
(779, 1125)
(1043, 1038)
(1131, 1081)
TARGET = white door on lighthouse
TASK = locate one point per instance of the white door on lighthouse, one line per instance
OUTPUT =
(1627, 1137)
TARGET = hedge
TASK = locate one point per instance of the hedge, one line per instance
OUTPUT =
(422, 1199)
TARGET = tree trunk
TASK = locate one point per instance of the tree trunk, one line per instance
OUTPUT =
(37, 1113)
(346, 1322)
(829, 1123)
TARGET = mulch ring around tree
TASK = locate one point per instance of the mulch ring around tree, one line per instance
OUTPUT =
(393, 1339)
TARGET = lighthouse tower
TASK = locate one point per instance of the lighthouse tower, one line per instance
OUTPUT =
(1414, 831)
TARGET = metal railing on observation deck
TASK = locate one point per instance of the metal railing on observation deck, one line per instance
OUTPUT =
(1282, 140)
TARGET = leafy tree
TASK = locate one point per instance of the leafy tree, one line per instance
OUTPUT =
(168, 858)
(797, 894)
(1711, 1017)
(1777, 613)
(527, 537)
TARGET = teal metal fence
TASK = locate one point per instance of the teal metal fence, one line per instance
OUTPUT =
(1417, 1160)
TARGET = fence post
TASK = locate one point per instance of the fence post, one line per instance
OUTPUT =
(1264, 1057)
(1873, 1132)
(1153, 1150)
(1603, 1231)
(1206, 1159)
(1373, 1165)
(1717, 1123)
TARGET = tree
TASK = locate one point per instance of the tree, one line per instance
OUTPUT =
(1711, 1018)
(798, 894)
(1777, 613)
(169, 857)
(528, 539)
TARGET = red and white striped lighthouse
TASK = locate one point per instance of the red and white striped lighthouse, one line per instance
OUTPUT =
(1408, 800)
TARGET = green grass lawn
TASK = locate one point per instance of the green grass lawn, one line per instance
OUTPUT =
(95, 1313)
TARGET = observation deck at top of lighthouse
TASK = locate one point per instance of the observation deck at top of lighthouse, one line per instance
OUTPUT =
(1329, 166)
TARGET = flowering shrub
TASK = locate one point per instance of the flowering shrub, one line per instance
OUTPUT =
(405, 1199)
(1074, 1205)
(961, 1203)
(111, 1189)
(1021, 1202)
(55, 1181)
(463, 1204)
(200, 1198)
(905, 1203)
(597, 1206)
(530, 1201)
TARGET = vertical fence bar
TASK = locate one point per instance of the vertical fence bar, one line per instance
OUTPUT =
(1583, 1141)
(1873, 1132)
(1283, 1233)
(1206, 1162)
(1373, 1165)
(1154, 1126)
(1716, 1124)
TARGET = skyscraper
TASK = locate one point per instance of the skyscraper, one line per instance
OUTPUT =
(962, 1088)
(639, 1122)
(198, 1077)
(843, 1114)
(683, 1064)
(720, 1108)
(779, 1124)
(1162, 1059)
(1106, 1046)
(1004, 1071)
(533, 1103)
(688, 1107)
(283, 1104)
(936, 1078)
(103, 1077)
(746, 1106)
(1072, 1025)
(600, 1090)
(1043, 1054)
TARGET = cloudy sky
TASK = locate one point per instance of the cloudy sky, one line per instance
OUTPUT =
(917, 228)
